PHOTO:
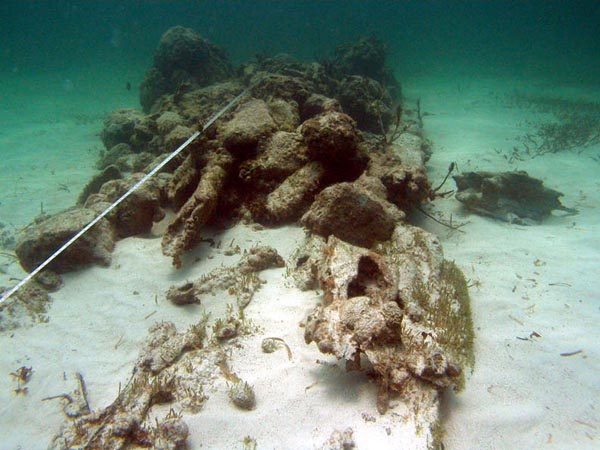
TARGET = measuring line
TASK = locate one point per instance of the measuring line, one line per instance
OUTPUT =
(163, 163)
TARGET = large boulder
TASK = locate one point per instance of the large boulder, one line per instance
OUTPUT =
(367, 58)
(367, 102)
(41, 240)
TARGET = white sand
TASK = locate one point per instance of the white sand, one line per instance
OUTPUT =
(522, 394)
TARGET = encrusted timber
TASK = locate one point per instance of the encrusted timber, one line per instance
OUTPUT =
(183, 233)
(395, 306)
(161, 375)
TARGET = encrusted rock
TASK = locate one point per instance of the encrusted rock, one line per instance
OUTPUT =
(182, 50)
(352, 213)
(119, 127)
(117, 156)
(139, 211)
(94, 185)
(279, 157)
(367, 102)
(167, 121)
(182, 58)
(331, 137)
(318, 104)
(240, 280)
(177, 136)
(164, 345)
(293, 197)
(366, 58)
(285, 114)
(185, 229)
(242, 395)
(27, 306)
(251, 124)
(186, 294)
(184, 182)
(171, 434)
(509, 196)
(39, 241)
(401, 169)
(173, 367)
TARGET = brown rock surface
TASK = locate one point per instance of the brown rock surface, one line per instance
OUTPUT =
(331, 137)
(353, 213)
(251, 124)
(39, 241)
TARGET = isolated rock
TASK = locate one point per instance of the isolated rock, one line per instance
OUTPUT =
(39, 241)
(508, 196)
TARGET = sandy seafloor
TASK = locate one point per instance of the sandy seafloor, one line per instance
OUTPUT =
(543, 279)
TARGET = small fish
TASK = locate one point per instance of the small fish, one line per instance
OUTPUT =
(128, 86)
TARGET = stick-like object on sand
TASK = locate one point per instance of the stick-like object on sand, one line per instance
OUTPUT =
(163, 163)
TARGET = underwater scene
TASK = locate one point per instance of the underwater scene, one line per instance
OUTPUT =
(300, 224)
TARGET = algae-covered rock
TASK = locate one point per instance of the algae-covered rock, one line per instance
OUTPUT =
(182, 58)
(119, 127)
(367, 102)
(109, 173)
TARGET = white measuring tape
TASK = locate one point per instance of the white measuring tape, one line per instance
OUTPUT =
(163, 163)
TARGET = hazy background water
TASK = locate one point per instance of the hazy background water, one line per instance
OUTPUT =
(560, 38)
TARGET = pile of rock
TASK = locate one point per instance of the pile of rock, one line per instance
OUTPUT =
(306, 146)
